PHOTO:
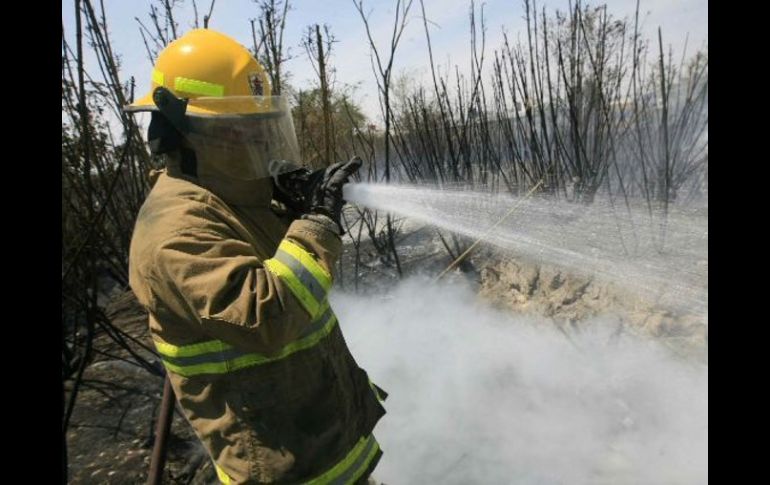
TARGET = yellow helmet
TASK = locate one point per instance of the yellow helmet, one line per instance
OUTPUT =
(209, 89)
(214, 72)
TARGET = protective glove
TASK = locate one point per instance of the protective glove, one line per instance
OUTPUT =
(326, 198)
(295, 188)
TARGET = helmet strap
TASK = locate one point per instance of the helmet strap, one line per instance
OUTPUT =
(161, 135)
(189, 162)
(167, 129)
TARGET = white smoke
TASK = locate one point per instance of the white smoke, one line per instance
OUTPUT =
(478, 396)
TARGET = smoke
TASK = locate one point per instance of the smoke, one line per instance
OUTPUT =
(478, 396)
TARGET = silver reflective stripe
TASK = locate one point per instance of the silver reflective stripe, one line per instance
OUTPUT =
(356, 466)
(303, 275)
(318, 324)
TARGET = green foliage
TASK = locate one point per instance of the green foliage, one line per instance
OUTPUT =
(346, 116)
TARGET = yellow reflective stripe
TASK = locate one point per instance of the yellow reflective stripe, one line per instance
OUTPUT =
(191, 350)
(249, 360)
(221, 475)
(286, 275)
(293, 347)
(157, 77)
(207, 347)
(193, 370)
(365, 464)
(376, 392)
(352, 459)
(308, 261)
(317, 281)
(194, 86)
(303, 343)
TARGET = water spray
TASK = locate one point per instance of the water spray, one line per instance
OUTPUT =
(597, 241)
(488, 232)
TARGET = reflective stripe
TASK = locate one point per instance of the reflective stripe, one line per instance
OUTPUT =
(221, 475)
(319, 323)
(180, 361)
(193, 349)
(305, 277)
(194, 86)
(308, 261)
(361, 464)
(353, 466)
(157, 77)
(218, 357)
(376, 392)
(299, 290)
(228, 353)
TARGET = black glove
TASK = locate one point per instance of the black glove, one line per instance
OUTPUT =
(295, 189)
(327, 195)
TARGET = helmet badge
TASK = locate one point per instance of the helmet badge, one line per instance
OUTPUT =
(256, 84)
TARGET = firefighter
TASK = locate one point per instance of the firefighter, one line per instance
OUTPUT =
(236, 293)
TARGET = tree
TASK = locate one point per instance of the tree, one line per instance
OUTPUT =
(346, 118)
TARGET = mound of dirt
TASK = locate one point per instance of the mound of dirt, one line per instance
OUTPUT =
(570, 301)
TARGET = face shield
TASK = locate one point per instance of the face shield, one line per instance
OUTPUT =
(245, 146)
(240, 137)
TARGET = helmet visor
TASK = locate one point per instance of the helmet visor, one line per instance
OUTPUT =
(252, 138)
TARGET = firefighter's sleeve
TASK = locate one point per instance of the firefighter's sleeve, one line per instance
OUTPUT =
(255, 305)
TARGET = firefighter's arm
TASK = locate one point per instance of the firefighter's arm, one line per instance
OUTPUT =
(256, 306)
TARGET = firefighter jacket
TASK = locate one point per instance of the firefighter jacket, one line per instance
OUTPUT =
(238, 312)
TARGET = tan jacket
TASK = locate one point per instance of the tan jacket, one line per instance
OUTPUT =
(238, 313)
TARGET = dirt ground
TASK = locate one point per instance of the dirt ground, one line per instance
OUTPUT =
(112, 428)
